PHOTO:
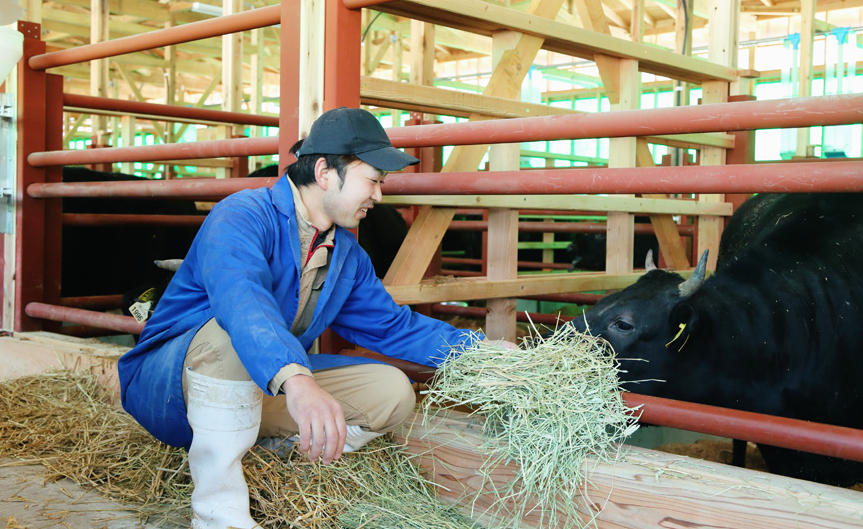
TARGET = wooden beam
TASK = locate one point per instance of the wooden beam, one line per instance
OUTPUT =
(422, 53)
(160, 132)
(485, 18)
(644, 488)
(622, 83)
(722, 50)
(433, 100)
(804, 72)
(566, 203)
(99, 68)
(475, 288)
(670, 242)
(420, 244)
(636, 23)
(311, 72)
(502, 235)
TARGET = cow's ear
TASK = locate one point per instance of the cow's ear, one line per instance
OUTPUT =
(683, 322)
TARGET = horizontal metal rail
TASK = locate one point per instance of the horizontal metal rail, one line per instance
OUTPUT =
(180, 188)
(720, 117)
(745, 115)
(778, 178)
(117, 219)
(817, 438)
(165, 112)
(563, 227)
(214, 27)
(102, 320)
(153, 153)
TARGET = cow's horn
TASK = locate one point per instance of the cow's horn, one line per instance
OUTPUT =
(691, 285)
(648, 261)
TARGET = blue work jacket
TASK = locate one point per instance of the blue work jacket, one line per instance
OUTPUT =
(243, 268)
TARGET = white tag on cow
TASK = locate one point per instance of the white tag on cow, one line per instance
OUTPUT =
(141, 311)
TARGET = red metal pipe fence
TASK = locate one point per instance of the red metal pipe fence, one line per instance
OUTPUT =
(775, 178)
(779, 178)
(721, 117)
(257, 18)
(824, 439)
(165, 112)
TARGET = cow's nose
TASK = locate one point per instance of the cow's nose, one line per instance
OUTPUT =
(579, 323)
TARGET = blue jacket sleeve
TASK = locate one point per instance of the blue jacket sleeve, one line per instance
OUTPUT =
(370, 318)
(239, 246)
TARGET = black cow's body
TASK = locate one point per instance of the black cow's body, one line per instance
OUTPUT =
(778, 329)
(108, 259)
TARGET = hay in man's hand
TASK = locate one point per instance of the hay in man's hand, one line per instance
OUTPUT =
(546, 407)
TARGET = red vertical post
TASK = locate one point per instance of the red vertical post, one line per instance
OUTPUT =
(30, 212)
(343, 33)
(289, 81)
(342, 54)
(53, 207)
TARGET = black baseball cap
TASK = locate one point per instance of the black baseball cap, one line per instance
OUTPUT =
(356, 132)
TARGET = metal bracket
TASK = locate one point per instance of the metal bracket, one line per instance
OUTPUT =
(7, 162)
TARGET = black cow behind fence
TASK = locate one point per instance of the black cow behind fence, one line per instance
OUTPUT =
(111, 259)
(778, 329)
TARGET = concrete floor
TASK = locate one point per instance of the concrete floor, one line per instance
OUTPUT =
(26, 501)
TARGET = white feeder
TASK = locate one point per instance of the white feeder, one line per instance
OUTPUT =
(11, 49)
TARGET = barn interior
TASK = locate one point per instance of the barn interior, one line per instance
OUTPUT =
(616, 152)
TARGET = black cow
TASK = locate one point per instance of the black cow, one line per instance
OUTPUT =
(778, 329)
(99, 260)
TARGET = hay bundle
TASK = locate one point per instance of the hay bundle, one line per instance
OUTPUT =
(68, 423)
(546, 407)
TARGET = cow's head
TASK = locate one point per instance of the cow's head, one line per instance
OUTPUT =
(643, 323)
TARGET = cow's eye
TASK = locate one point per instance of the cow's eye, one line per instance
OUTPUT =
(623, 326)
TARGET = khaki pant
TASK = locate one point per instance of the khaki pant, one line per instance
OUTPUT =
(375, 396)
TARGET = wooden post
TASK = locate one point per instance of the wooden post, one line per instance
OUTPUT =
(312, 49)
(99, 69)
(398, 60)
(256, 97)
(502, 222)
(804, 73)
(722, 50)
(425, 234)
(622, 82)
(636, 24)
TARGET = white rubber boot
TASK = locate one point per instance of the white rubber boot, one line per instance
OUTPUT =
(225, 417)
(357, 438)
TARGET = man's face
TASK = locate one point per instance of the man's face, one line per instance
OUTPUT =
(348, 204)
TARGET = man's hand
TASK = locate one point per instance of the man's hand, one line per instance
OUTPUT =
(319, 416)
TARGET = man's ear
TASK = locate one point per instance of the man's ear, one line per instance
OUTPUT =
(683, 322)
(322, 173)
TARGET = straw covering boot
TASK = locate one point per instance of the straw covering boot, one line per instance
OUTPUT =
(225, 417)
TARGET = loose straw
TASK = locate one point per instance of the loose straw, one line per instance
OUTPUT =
(68, 423)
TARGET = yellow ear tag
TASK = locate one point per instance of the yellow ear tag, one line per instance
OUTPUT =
(676, 336)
